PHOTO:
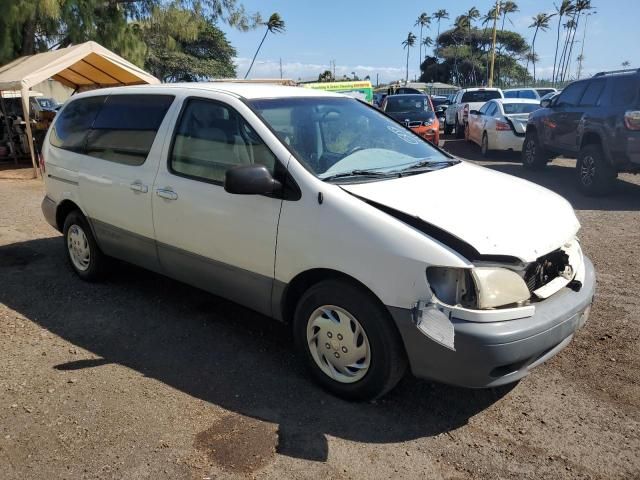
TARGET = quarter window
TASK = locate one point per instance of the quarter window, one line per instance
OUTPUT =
(126, 127)
(74, 122)
(211, 138)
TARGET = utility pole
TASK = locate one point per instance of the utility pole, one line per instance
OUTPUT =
(377, 78)
(493, 42)
(280, 68)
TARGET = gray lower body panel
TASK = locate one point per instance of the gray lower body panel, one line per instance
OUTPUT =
(497, 353)
(49, 207)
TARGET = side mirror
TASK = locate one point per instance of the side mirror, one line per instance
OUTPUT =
(546, 103)
(250, 180)
(475, 112)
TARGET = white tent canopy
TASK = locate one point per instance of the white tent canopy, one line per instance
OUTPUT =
(84, 66)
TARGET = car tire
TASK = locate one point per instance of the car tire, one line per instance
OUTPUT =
(484, 146)
(335, 322)
(84, 256)
(447, 128)
(459, 129)
(533, 155)
(595, 175)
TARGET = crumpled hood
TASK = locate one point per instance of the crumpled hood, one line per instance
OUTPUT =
(496, 213)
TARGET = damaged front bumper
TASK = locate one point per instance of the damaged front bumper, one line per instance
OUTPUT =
(478, 353)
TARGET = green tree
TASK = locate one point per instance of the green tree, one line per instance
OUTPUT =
(326, 76)
(407, 43)
(540, 22)
(185, 46)
(507, 8)
(424, 20)
(275, 24)
(626, 64)
(565, 8)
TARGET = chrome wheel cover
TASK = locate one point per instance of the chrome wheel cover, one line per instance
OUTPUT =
(78, 246)
(587, 170)
(338, 344)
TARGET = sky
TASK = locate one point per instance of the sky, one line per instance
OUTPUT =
(365, 36)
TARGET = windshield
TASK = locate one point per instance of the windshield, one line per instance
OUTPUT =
(47, 103)
(513, 108)
(480, 96)
(332, 136)
(408, 103)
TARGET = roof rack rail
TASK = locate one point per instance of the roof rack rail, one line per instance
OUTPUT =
(627, 70)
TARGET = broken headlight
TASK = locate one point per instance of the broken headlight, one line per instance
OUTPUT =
(478, 288)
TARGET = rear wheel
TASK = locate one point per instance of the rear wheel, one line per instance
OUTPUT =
(484, 146)
(459, 129)
(533, 155)
(83, 253)
(447, 128)
(348, 341)
(595, 175)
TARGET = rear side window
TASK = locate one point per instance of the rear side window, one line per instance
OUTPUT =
(126, 126)
(480, 96)
(592, 93)
(570, 96)
(211, 138)
(72, 126)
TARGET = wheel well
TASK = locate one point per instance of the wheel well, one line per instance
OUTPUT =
(303, 281)
(590, 138)
(64, 209)
(531, 128)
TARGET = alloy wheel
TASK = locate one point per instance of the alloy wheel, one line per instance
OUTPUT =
(587, 170)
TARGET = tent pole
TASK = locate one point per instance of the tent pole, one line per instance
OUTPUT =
(14, 153)
(27, 121)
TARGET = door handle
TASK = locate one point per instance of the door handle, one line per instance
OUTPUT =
(167, 193)
(139, 187)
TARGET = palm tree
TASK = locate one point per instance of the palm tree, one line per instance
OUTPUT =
(582, 7)
(424, 20)
(440, 15)
(626, 63)
(540, 22)
(275, 24)
(407, 43)
(565, 8)
(472, 14)
(507, 8)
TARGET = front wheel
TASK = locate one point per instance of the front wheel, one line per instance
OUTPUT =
(83, 252)
(595, 175)
(533, 155)
(348, 341)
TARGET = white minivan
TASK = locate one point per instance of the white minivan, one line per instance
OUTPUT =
(318, 210)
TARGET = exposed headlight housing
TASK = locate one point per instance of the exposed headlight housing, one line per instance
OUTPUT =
(478, 288)
(429, 122)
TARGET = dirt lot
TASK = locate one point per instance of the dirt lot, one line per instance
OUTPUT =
(144, 377)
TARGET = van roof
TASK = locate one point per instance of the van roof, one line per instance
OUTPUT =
(244, 90)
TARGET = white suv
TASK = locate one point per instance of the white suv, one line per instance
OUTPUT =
(466, 100)
(317, 209)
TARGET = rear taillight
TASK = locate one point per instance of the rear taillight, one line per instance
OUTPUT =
(42, 165)
(632, 119)
(502, 126)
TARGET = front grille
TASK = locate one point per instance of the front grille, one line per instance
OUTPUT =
(545, 269)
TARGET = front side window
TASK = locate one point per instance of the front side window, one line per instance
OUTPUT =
(592, 93)
(126, 126)
(335, 136)
(485, 108)
(570, 96)
(492, 109)
(211, 138)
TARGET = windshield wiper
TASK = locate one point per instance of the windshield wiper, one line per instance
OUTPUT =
(356, 173)
(432, 165)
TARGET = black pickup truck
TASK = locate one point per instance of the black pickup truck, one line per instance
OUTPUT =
(597, 121)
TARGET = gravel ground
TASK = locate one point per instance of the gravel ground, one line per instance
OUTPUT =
(143, 377)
